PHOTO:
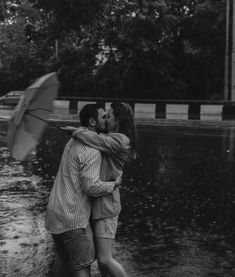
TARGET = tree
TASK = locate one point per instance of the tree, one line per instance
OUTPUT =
(24, 49)
(171, 49)
(164, 49)
(28, 45)
(67, 15)
(140, 36)
(203, 38)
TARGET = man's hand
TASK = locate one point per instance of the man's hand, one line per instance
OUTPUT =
(118, 181)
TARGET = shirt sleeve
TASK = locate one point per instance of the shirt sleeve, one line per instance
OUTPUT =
(91, 183)
(111, 143)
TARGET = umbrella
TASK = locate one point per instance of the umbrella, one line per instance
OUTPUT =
(29, 119)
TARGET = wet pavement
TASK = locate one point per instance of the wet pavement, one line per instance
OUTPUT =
(178, 202)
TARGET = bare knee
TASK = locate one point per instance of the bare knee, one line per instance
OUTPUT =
(104, 261)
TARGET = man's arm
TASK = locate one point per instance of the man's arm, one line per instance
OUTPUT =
(111, 143)
(91, 184)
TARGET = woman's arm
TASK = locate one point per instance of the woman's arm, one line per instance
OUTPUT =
(111, 143)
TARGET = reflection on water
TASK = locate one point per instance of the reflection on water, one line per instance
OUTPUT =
(24, 244)
(180, 200)
(178, 205)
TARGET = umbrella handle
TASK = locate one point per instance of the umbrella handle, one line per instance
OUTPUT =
(52, 124)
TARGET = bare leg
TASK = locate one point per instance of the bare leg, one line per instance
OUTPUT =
(103, 271)
(108, 265)
(60, 268)
(84, 272)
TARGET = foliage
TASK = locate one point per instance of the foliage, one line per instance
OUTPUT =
(28, 49)
(166, 49)
(171, 49)
(24, 49)
(203, 36)
(76, 62)
(71, 14)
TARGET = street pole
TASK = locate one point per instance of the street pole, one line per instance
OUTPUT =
(226, 63)
(233, 54)
(56, 48)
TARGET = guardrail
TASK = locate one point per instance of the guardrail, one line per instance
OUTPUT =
(156, 109)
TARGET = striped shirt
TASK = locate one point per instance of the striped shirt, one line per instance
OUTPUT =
(69, 205)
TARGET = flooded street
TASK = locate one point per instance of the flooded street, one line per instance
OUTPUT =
(25, 247)
(178, 202)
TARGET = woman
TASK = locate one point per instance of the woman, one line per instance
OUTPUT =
(118, 147)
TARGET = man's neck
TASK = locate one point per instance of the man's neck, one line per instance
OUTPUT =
(91, 128)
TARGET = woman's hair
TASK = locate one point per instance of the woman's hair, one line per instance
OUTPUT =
(124, 114)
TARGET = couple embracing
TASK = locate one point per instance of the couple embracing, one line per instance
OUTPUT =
(84, 204)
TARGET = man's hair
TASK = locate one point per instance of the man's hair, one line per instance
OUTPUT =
(124, 113)
(87, 112)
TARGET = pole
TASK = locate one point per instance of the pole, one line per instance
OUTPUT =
(226, 63)
(233, 54)
(56, 48)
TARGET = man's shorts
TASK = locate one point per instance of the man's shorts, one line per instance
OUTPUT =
(75, 247)
(105, 228)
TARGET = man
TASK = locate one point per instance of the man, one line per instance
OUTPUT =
(69, 207)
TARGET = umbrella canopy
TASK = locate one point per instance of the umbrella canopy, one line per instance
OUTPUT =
(29, 118)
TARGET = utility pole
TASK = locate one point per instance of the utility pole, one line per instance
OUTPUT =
(56, 48)
(226, 63)
(233, 53)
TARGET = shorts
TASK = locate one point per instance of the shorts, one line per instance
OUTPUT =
(75, 247)
(105, 228)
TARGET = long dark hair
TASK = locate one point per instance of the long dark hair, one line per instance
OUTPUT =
(124, 114)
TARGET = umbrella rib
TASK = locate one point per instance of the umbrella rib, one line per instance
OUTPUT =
(37, 117)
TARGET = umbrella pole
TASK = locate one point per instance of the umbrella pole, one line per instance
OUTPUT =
(52, 124)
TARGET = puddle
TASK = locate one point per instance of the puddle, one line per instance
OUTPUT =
(177, 197)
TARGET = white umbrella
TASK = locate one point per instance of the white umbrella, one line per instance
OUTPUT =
(29, 119)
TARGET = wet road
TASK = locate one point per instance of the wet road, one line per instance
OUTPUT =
(25, 247)
(178, 205)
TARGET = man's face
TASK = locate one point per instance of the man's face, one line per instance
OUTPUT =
(101, 122)
(111, 122)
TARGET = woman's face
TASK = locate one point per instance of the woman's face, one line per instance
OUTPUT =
(111, 121)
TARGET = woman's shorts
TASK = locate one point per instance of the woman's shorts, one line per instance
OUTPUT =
(75, 247)
(105, 228)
